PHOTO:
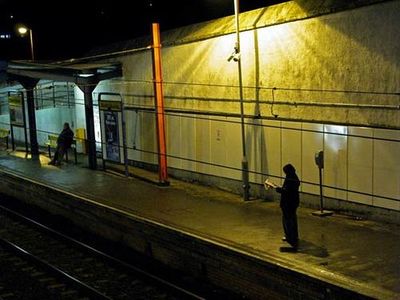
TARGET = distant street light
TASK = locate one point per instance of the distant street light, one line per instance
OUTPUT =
(22, 30)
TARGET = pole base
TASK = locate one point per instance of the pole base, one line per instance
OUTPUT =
(323, 213)
(245, 179)
(163, 183)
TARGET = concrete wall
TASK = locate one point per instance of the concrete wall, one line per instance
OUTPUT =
(313, 80)
(5, 121)
(48, 121)
(330, 79)
(53, 101)
(51, 120)
(341, 68)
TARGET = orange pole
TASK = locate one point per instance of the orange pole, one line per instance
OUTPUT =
(159, 103)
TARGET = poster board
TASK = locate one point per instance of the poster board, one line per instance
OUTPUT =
(111, 130)
(16, 108)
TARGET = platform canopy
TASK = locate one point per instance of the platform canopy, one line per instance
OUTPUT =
(85, 75)
(78, 73)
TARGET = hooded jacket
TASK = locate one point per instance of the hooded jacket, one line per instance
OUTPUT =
(65, 138)
(290, 190)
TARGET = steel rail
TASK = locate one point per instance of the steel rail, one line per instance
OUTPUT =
(89, 291)
(158, 280)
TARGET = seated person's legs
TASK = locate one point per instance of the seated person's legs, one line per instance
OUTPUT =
(58, 155)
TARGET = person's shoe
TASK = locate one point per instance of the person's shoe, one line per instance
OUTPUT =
(295, 244)
(50, 162)
(284, 239)
(288, 249)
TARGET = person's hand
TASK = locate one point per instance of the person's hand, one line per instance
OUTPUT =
(269, 184)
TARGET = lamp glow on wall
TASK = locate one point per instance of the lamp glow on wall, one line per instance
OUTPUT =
(23, 30)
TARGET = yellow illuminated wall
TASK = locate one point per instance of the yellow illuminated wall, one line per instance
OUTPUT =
(329, 79)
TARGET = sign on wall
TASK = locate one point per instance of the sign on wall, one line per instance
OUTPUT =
(112, 135)
(110, 111)
(16, 109)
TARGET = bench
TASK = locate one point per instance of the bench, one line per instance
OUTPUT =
(52, 143)
(4, 134)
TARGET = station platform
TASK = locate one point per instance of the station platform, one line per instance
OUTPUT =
(339, 257)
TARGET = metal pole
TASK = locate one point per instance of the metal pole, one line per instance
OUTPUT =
(31, 39)
(90, 134)
(12, 137)
(53, 87)
(29, 84)
(68, 94)
(124, 143)
(24, 116)
(320, 191)
(319, 160)
(160, 119)
(245, 165)
(32, 121)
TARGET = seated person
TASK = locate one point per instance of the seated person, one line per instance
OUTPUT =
(64, 142)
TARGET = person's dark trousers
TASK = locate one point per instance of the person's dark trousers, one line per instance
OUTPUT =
(59, 154)
(289, 221)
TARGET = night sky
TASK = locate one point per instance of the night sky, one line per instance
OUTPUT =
(66, 29)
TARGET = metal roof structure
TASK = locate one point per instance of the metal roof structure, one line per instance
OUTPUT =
(85, 76)
(77, 73)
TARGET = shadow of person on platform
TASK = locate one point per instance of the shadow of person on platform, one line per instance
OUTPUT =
(312, 249)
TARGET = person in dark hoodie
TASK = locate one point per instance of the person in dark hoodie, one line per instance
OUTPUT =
(64, 142)
(289, 204)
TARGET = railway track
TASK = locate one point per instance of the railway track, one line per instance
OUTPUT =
(38, 262)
